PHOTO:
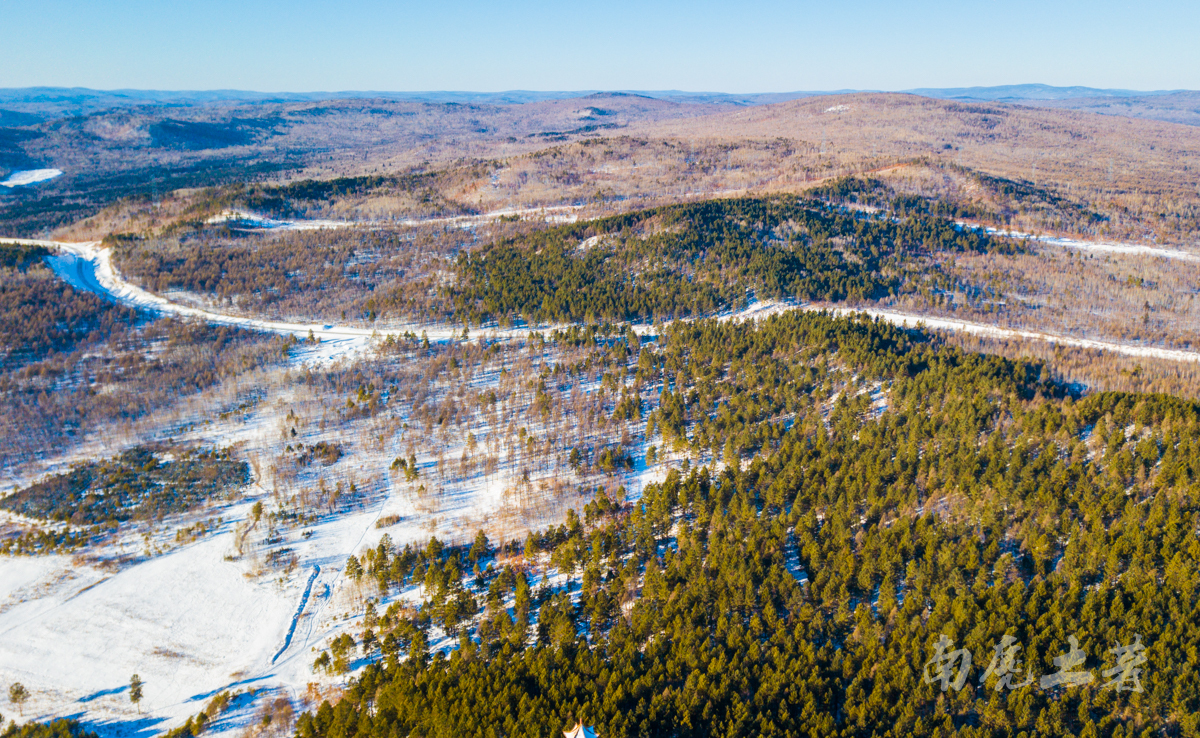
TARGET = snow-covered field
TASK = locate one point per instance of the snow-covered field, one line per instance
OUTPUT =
(30, 176)
(188, 623)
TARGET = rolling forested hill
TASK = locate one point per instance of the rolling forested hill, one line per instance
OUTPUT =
(800, 586)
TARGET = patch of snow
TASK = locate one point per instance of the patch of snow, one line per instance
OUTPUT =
(189, 623)
(591, 242)
(30, 176)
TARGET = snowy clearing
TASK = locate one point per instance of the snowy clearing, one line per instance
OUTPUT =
(188, 622)
(30, 176)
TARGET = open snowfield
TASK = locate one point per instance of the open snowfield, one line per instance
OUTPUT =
(30, 176)
(187, 622)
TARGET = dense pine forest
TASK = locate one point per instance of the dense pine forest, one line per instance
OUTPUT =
(876, 491)
(141, 482)
(685, 260)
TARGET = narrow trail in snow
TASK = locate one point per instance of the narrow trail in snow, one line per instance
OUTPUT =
(287, 641)
(1104, 247)
(337, 575)
(993, 331)
(242, 220)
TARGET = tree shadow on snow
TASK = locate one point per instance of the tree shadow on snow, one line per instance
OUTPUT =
(143, 727)
(104, 693)
(227, 687)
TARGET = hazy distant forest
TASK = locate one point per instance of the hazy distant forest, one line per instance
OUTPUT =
(702, 522)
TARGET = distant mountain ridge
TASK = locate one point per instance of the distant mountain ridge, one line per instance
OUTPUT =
(1016, 93)
(31, 106)
(85, 98)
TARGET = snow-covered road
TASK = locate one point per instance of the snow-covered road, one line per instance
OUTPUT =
(1110, 247)
(992, 331)
(30, 176)
(89, 266)
(242, 218)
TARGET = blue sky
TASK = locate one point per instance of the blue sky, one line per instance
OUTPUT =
(772, 46)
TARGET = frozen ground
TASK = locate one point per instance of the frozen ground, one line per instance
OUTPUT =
(30, 176)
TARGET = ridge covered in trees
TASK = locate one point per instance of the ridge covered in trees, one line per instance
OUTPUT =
(685, 260)
(799, 588)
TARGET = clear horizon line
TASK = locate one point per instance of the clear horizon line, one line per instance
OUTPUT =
(585, 91)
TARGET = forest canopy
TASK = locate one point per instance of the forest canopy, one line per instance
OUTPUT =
(142, 483)
(799, 588)
(685, 260)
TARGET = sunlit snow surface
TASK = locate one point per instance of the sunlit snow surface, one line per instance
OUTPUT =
(30, 176)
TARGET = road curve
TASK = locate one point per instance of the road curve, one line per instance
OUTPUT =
(89, 266)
